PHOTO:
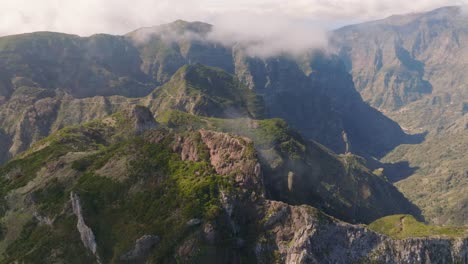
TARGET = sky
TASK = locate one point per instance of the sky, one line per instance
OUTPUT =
(265, 27)
(86, 17)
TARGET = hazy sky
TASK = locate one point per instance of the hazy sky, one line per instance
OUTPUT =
(85, 17)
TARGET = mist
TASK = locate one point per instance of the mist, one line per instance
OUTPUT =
(264, 27)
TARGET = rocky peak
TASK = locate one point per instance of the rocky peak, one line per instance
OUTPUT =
(140, 118)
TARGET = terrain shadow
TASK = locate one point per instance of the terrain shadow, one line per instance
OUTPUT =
(393, 171)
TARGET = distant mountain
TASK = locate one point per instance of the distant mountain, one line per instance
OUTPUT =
(413, 68)
(202, 91)
(83, 67)
(314, 94)
(165, 146)
(408, 63)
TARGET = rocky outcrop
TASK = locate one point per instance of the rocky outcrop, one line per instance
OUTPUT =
(301, 234)
(230, 155)
(233, 220)
(86, 234)
(141, 118)
(142, 248)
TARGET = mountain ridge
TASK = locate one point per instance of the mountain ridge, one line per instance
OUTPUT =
(171, 148)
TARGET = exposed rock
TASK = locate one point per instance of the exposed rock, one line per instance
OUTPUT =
(229, 155)
(43, 219)
(304, 235)
(187, 147)
(142, 118)
(194, 222)
(87, 235)
(142, 248)
(209, 232)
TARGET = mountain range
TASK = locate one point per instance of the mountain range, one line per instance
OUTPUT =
(412, 68)
(163, 145)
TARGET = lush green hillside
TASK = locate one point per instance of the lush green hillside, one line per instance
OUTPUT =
(206, 91)
(163, 146)
(304, 172)
(128, 186)
(97, 65)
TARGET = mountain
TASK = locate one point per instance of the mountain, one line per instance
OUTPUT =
(401, 59)
(127, 189)
(348, 189)
(318, 84)
(165, 146)
(206, 91)
(299, 172)
(412, 67)
(83, 67)
(44, 68)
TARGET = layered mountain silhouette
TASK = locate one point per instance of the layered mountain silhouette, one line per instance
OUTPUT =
(165, 146)
(412, 67)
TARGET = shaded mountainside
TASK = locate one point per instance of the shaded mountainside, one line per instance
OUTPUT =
(32, 113)
(346, 188)
(298, 171)
(412, 67)
(401, 59)
(206, 91)
(97, 65)
(314, 93)
(440, 184)
(87, 163)
(126, 189)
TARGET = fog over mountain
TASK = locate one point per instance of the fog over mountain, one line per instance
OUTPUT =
(313, 131)
(264, 21)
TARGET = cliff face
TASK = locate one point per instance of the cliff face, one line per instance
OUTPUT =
(314, 93)
(412, 67)
(195, 196)
(90, 176)
(302, 235)
(399, 60)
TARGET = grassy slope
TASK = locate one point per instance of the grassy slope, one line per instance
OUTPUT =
(406, 226)
(159, 194)
(207, 91)
(439, 185)
(340, 185)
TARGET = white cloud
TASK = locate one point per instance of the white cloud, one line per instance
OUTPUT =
(268, 26)
(86, 17)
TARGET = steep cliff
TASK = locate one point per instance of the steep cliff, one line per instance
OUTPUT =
(314, 93)
(412, 67)
(161, 195)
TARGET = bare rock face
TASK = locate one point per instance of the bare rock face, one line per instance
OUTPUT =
(142, 248)
(142, 118)
(229, 154)
(302, 234)
(87, 235)
(187, 147)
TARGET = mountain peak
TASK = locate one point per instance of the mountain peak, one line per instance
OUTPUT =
(178, 27)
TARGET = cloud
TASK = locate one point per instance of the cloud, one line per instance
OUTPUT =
(268, 26)
(86, 17)
(265, 35)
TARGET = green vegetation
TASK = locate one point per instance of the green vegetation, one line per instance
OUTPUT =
(439, 184)
(51, 199)
(160, 196)
(206, 91)
(265, 133)
(406, 226)
(43, 244)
